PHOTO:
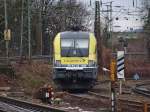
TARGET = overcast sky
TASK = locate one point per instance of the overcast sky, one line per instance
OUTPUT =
(130, 14)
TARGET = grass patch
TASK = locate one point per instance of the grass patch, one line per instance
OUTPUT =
(32, 77)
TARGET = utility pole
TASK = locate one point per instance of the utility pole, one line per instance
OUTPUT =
(41, 37)
(29, 30)
(97, 31)
(25, 31)
(6, 29)
(22, 29)
(148, 40)
(111, 25)
(109, 22)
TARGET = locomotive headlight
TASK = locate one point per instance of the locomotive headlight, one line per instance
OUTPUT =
(57, 63)
(83, 65)
(91, 63)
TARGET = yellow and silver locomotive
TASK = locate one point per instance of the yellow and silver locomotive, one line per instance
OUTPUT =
(75, 60)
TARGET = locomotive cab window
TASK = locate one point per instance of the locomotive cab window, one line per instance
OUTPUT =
(67, 43)
(82, 43)
(74, 47)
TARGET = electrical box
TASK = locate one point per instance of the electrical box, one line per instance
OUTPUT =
(113, 70)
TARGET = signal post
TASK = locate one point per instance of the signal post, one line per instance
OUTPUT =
(113, 79)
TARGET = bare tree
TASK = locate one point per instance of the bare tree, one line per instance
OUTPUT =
(48, 17)
(56, 16)
(147, 26)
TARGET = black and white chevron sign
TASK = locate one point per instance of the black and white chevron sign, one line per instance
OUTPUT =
(120, 64)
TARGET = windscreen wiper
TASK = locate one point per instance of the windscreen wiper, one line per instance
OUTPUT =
(69, 50)
(77, 45)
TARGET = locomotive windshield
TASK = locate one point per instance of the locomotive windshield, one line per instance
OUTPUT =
(74, 47)
(67, 43)
(81, 43)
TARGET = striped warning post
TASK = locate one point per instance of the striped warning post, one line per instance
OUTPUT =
(120, 64)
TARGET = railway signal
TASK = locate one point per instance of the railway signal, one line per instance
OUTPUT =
(120, 64)
(120, 68)
(46, 94)
(7, 35)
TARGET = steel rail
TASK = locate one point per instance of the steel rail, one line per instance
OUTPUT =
(29, 106)
(98, 95)
(141, 90)
(4, 107)
(124, 104)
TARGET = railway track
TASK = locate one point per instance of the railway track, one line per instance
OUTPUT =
(125, 105)
(90, 101)
(89, 96)
(123, 102)
(22, 106)
(98, 95)
(142, 89)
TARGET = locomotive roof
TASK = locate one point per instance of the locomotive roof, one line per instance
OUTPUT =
(71, 34)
